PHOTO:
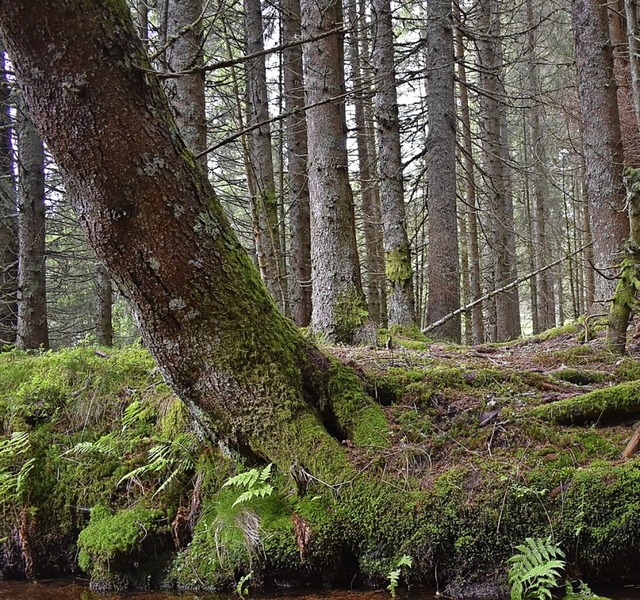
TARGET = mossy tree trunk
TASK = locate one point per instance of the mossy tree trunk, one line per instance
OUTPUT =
(624, 298)
(154, 220)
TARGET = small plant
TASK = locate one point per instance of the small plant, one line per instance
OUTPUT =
(394, 575)
(255, 483)
(536, 569)
(242, 587)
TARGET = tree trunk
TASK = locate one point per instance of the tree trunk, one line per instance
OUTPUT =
(296, 138)
(32, 329)
(248, 376)
(633, 41)
(8, 217)
(372, 219)
(104, 306)
(495, 155)
(444, 270)
(338, 302)
(265, 201)
(184, 27)
(400, 304)
(470, 183)
(602, 143)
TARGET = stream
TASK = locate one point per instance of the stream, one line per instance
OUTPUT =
(65, 590)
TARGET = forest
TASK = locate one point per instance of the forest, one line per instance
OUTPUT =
(320, 292)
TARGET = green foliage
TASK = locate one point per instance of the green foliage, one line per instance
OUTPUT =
(255, 482)
(394, 575)
(535, 569)
(242, 587)
(15, 468)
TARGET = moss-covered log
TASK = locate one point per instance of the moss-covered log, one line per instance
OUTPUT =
(615, 403)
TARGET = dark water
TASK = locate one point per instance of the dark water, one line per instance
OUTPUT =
(63, 590)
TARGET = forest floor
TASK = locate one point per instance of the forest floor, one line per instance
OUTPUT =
(488, 445)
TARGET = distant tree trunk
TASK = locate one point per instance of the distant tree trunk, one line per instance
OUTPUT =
(495, 155)
(104, 306)
(633, 41)
(338, 302)
(545, 302)
(244, 370)
(470, 184)
(142, 20)
(8, 217)
(372, 226)
(400, 303)
(296, 138)
(184, 23)
(602, 143)
(32, 329)
(265, 201)
(444, 269)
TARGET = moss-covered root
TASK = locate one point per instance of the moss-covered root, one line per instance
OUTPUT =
(608, 404)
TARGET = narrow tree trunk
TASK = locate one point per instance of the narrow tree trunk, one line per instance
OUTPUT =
(32, 329)
(215, 332)
(444, 269)
(602, 143)
(104, 307)
(184, 26)
(372, 226)
(296, 138)
(8, 217)
(633, 40)
(265, 201)
(396, 244)
(338, 302)
(470, 184)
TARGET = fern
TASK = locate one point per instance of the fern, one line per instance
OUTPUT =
(255, 482)
(536, 569)
(394, 575)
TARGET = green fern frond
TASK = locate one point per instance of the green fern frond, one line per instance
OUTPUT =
(536, 569)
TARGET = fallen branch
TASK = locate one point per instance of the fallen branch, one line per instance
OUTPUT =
(493, 293)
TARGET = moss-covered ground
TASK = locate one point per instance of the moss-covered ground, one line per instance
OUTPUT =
(103, 472)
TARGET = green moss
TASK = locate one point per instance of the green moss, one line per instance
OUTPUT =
(598, 406)
(350, 314)
(398, 265)
(582, 376)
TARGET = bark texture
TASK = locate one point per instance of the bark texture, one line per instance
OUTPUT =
(602, 143)
(296, 140)
(184, 27)
(202, 309)
(8, 218)
(338, 302)
(32, 329)
(260, 160)
(400, 300)
(104, 307)
(444, 269)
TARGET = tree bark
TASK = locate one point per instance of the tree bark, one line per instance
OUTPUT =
(496, 174)
(260, 160)
(8, 217)
(184, 27)
(400, 301)
(104, 307)
(296, 139)
(243, 369)
(602, 143)
(32, 329)
(338, 302)
(444, 270)
(371, 216)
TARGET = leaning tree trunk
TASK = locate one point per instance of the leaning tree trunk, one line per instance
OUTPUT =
(242, 368)
(296, 138)
(338, 302)
(8, 217)
(32, 328)
(400, 301)
(444, 271)
(602, 143)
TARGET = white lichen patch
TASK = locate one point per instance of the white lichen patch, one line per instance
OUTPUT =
(177, 304)
(154, 263)
(151, 165)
